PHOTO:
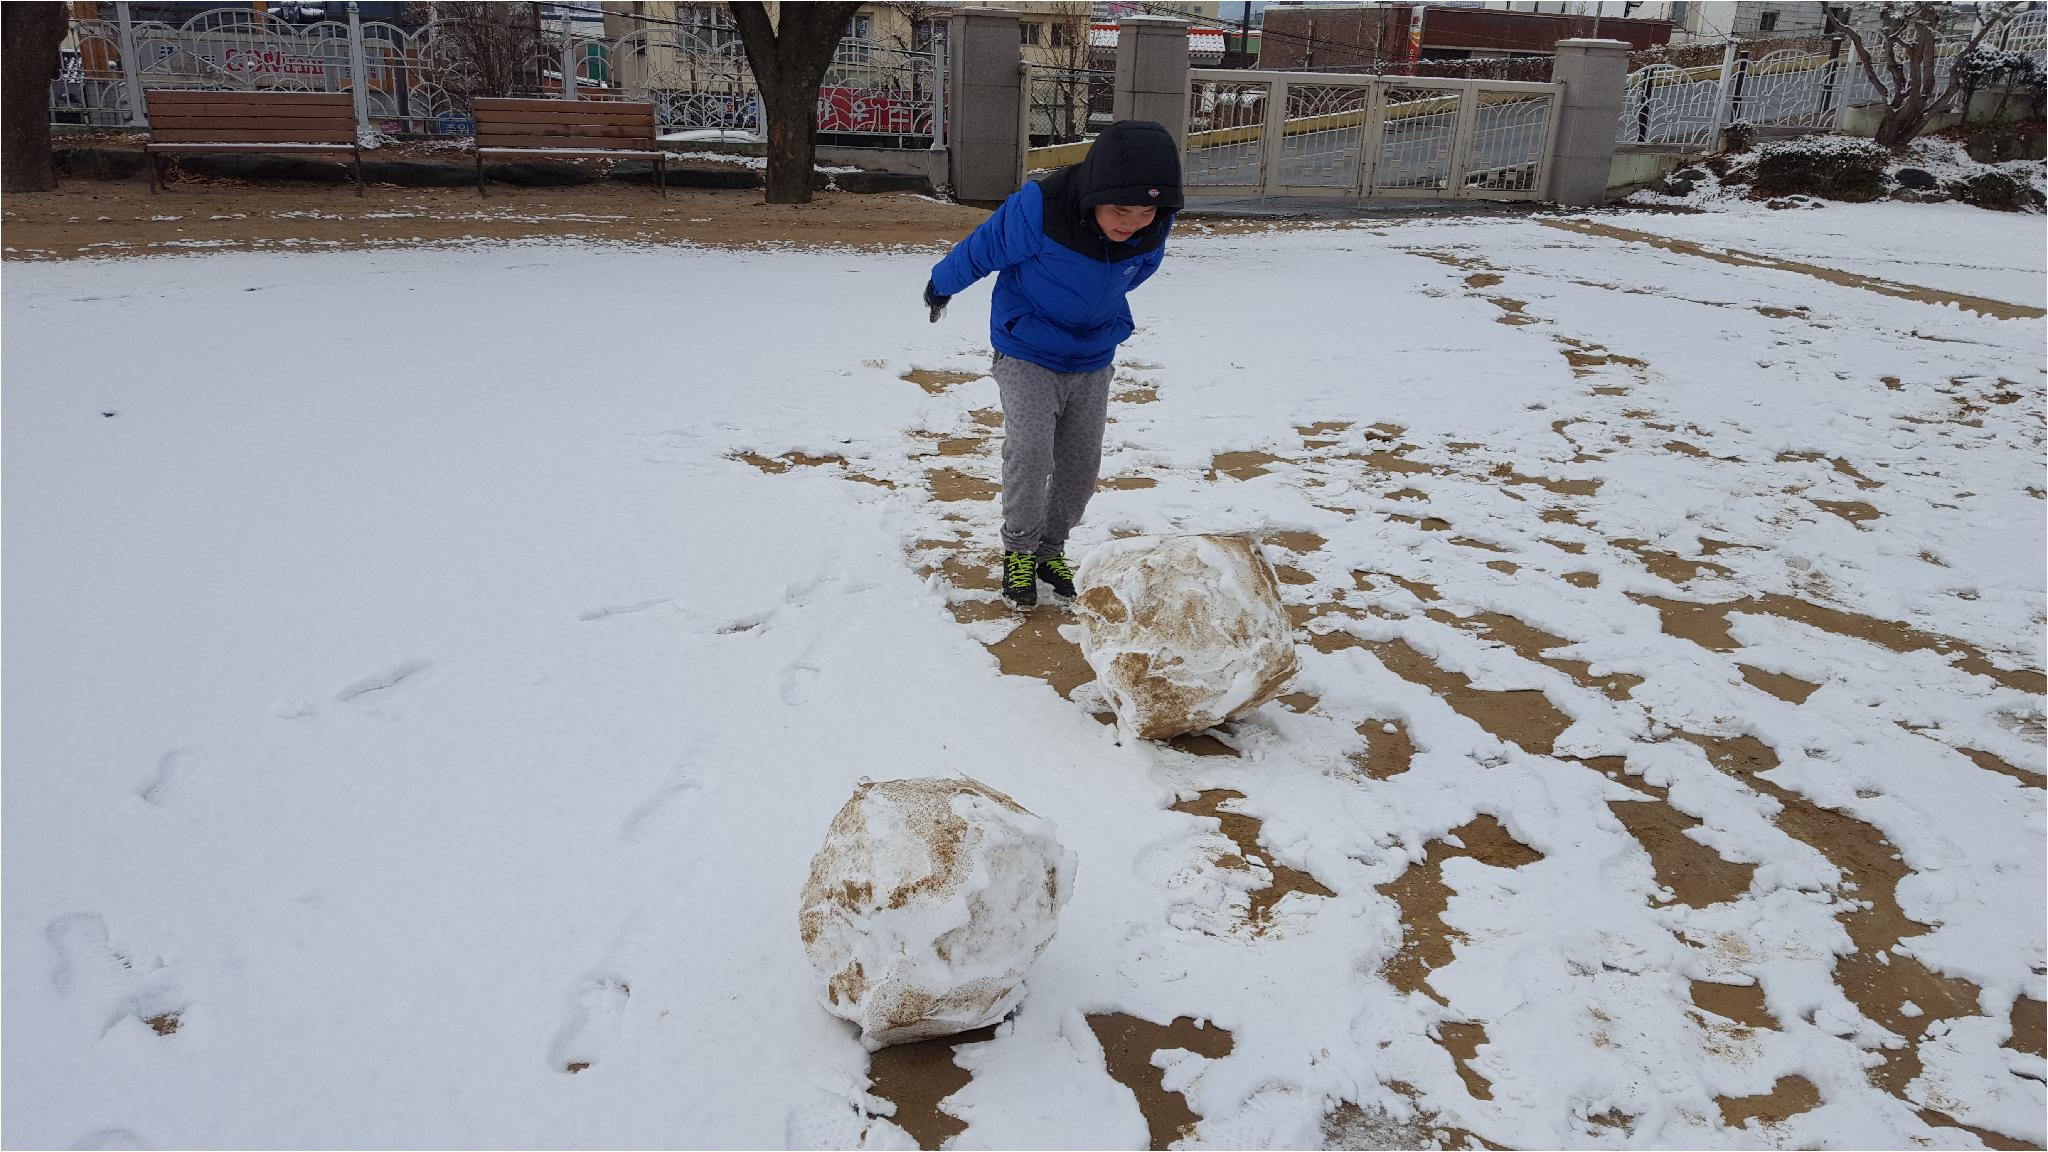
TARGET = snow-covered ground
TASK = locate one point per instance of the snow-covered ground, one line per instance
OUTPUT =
(420, 714)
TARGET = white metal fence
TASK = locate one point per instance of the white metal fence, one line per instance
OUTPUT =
(1324, 134)
(1792, 88)
(421, 80)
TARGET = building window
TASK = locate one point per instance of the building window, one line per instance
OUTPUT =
(1034, 33)
(1767, 22)
(923, 33)
(710, 24)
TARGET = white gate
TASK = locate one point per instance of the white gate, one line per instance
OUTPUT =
(1327, 134)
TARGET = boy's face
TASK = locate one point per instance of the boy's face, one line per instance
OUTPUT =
(1120, 222)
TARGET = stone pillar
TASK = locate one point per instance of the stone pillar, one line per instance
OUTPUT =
(1152, 73)
(1595, 76)
(984, 52)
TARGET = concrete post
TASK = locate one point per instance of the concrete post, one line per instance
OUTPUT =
(985, 142)
(1595, 76)
(131, 67)
(1152, 73)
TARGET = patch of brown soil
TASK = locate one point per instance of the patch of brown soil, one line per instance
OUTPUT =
(936, 382)
(1127, 1047)
(917, 1078)
(1707, 626)
(1790, 1096)
(1742, 1003)
(1299, 701)
(1682, 448)
(1582, 579)
(1242, 465)
(1870, 914)
(1854, 511)
(1423, 896)
(1146, 394)
(61, 224)
(1511, 311)
(1125, 483)
(1483, 546)
(1388, 751)
(1482, 280)
(1610, 390)
(1348, 1126)
(1521, 716)
(1462, 1041)
(1415, 588)
(1557, 514)
(1201, 744)
(979, 611)
(1289, 574)
(1243, 831)
(1981, 305)
(1585, 357)
(1990, 763)
(1508, 475)
(786, 461)
(1299, 543)
(164, 1023)
(1790, 689)
(987, 417)
(1532, 643)
(1695, 873)
(1407, 494)
(1323, 428)
(1667, 565)
(1426, 523)
(1036, 649)
(962, 445)
(962, 573)
(949, 484)
(1507, 566)
(1391, 461)
(2029, 1028)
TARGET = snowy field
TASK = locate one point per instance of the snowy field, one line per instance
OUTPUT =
(429, 673)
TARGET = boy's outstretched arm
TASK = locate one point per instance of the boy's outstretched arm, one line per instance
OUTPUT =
(1009, 237)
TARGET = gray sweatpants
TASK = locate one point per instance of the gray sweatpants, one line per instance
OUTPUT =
(1052, 449)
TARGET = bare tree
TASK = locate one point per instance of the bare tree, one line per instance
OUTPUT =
(485, 49)
(1906, 42)
(789, 57)
(29, 36)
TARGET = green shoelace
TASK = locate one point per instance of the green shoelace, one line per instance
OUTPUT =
(1019, 569)
(1059, 567)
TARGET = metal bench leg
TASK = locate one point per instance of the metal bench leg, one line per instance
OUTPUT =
(480, 176)
(359, 173)
(156, 172)
(661, 174)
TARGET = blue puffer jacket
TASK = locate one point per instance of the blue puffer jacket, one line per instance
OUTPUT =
(1060, 284)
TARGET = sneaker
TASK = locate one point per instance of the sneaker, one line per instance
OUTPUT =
(1055, 570)
(1020, 582)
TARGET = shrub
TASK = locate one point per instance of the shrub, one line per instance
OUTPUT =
(1994, 190)
(1739, 136)
(1830, 167)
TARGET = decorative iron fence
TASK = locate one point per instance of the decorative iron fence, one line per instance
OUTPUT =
(421, 81)
(1070, 104)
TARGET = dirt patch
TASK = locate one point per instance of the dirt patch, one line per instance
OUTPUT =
(167, 1023)
(1202, 744)
(1742, 1003)
(965, 574)
(1582, 579)
(1511, 312)
(1978, 304)
(1127, 1047)
(1484, 546)
(1125, 483)
(1707, 625)
(1790, 1096)
(62, 224)
(1879, 978)
(1524, 716)
(1144, 394)
(1532, 643)
(1388, 751)
(1289, 574)
(1323, 428)
(1299, 543)
(2029, 1027)
(1508, 475)
(1854, 511)
(1036, 649)
(1299, 701)
(1349, 1126)
(1242, 465)
(917, 1078)
(1667, 565)
(1696, 874)
(1426, 523)
(1423, 896)
(936, 382)
(1790, 689)
(1407, 494)
(1243, 831)
(1482, 280)
(1990, 763)
(987, 417)
(1681, 448)
(950, 484)
(1462, 1041)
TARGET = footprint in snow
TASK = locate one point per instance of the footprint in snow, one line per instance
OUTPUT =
(109, 1138)
(101, 974)
(389, 678)
(659, 810)
(173, 768)
(799, 684)
(611, 610)
(593, 1024)
(823, 1120)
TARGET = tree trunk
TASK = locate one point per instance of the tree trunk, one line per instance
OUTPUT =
(29, 35)
(789, 58)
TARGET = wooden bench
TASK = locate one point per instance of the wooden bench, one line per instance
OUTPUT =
(190, 120)
(616, 128)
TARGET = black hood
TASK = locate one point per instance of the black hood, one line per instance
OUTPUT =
(1132, 162)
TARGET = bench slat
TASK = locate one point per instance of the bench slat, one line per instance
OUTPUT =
(282, 129)
(277, 148)
(511, 104)
(271, 135)
(642, 143)
(210, 95)
(244, 108)
(569, 132)
(585, 111)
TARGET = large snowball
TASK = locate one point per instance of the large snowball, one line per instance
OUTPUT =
(926, 905)
(1184, 632)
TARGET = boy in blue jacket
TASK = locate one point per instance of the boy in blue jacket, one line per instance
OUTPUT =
(1066, 250)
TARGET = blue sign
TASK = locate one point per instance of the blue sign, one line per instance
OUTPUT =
(455, 124)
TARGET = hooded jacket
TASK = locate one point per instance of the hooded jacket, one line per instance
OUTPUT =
(1060, 283)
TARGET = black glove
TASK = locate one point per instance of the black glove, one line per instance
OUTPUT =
(934, 301)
